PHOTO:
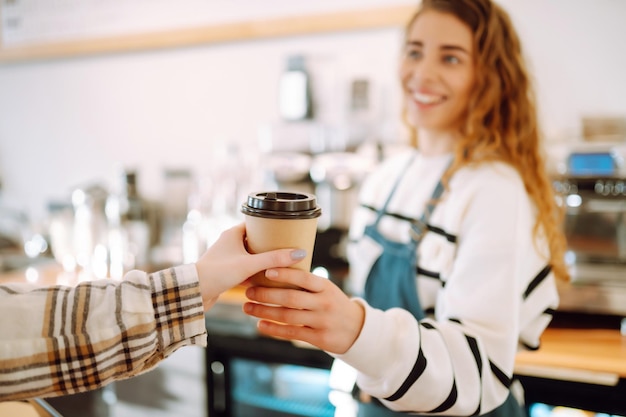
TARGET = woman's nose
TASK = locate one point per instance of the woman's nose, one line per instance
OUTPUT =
(424, 69)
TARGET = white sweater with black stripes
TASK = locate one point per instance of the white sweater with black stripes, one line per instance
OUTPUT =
(482, 275)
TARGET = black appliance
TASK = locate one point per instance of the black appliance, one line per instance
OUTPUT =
(252, 375)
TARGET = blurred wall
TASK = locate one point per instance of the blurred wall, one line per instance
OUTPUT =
(67, 122)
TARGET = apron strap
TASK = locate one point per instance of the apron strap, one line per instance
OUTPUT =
(381, 211)
(419, 227)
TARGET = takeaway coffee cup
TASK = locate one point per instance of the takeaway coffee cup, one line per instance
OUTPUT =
(278, 220)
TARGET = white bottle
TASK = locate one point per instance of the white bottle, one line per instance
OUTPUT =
(294, 95)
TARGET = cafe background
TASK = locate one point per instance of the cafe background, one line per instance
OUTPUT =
(66, 121)
(186, 96)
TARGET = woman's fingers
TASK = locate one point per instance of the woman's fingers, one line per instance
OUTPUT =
(280, 314)
(293, 325)
(300, 299)
(291, 306)
(283, 331)
(297, 278)
(275, 258)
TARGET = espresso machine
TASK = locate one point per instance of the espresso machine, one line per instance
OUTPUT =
(592, 187)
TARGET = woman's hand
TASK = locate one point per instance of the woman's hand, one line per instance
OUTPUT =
(320, 314)
(227, 263)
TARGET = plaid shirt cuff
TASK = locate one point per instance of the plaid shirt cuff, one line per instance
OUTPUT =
(178, 309)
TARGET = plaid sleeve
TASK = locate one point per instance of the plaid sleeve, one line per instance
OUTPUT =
(178, 308)
(63, 340)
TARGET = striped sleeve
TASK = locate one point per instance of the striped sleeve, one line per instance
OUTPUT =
(64, 340)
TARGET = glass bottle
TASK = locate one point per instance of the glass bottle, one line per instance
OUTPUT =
(129, 229)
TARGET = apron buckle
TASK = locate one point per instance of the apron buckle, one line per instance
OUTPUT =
(418, 230)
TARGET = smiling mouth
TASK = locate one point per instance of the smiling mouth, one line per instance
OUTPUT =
(422, 98)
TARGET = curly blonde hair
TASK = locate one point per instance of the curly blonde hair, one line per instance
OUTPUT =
(501, 122)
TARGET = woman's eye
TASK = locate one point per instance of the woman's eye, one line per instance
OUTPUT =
(451, 59)
(413, 54)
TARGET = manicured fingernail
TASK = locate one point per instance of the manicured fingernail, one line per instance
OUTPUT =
(298, 254)
(271, 273)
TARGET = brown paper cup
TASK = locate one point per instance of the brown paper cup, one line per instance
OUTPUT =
(279, 220)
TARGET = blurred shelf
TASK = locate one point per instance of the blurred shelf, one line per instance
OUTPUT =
(360, 19)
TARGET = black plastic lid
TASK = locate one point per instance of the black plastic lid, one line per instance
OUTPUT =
(281, 205)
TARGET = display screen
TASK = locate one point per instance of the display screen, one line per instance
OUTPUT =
(591, 164)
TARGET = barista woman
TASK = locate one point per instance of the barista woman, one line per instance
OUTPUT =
(455, 245)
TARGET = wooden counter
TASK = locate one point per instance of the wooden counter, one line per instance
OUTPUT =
(27, 408)
(584, 355)
(577, 368)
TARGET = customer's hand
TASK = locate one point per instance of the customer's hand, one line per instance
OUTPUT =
(227, 263)
(320, 314)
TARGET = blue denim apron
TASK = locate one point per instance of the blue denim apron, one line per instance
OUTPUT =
(392, 283)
